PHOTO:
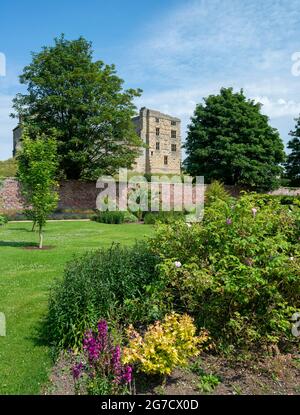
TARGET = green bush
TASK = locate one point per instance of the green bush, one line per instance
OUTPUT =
(130, 217)
(115, 217)
(151, 218)
(282, 199)
(237, 273)
(112, 217)
(8, 168)
(215, 191)
(115, 284)
(3, 220)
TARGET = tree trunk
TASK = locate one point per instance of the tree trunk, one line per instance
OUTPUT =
(41, 239)
(33, 226)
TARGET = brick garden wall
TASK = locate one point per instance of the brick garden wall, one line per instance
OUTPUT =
(10, 197)
(72, 194)
(80, 195)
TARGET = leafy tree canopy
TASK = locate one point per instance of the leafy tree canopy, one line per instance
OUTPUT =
(230, 140)
(84, 101)
(293, 159)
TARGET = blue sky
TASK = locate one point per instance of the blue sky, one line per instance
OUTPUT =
(177, 51)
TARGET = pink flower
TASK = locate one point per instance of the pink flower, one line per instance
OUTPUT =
(177, 264)
(228, 221)
(254, 210)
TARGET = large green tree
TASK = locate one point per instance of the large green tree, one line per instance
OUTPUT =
(293, 158)
(229, 139)
(85, 102)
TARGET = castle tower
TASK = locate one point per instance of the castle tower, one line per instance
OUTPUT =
(161, 134)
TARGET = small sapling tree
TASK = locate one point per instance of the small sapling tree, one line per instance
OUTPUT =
(37, 170)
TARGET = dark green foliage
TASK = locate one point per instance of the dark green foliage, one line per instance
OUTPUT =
(113, 284)
(151, 218)
(84, 101)
(3, 220)
(230, 140)
(116, 217)
(293, 159)
(111, 217)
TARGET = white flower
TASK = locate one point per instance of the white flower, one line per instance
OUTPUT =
(291, 258)
(177, 264)
(254, 211)
(188, 225)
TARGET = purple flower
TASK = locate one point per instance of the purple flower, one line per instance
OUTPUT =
(228, 221)
(76, 370)
(116, 363)
(177, 264)
(116, 359)
(102, 328)
(91, 345)
(127, 374)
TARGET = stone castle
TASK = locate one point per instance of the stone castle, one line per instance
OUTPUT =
(162, 138)
(161, 135)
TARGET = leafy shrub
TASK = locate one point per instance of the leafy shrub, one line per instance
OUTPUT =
(238, 272)
(118, 283)
(215, 191)
(151, 218)
(112, 217)
(130, 217)
(208, 382)
(3, 220)
(164, 346)
(282, 199)
(101, 371)
(8, 168)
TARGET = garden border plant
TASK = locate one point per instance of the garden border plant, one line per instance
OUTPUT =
(237, 274)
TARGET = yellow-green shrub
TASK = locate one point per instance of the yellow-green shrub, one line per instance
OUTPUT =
(165, 345)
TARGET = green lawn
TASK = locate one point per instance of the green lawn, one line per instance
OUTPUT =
(25, 279)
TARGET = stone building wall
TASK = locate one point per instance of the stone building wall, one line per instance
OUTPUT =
(163, 150)
(17, 136)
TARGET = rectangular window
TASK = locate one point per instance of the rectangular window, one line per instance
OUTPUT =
(173, 147)
(165, 160)
(173, 133)
(173, 122)
(157, 119)
(157, 131)
(157, 146)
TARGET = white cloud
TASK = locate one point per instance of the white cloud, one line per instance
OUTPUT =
(207, 44)
(279, 107)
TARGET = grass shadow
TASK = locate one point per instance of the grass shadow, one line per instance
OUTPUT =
(39, 337)
(13, 244)
(7, 229)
